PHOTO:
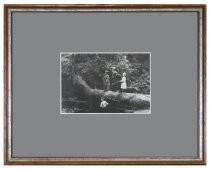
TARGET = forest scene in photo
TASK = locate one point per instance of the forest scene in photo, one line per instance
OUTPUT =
(105, 83)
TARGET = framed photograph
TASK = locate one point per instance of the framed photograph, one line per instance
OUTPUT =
(104, 84)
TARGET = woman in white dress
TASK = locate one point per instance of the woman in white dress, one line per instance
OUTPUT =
(123, 82)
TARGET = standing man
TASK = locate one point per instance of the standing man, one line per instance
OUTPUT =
(115, 78)
(106, 81)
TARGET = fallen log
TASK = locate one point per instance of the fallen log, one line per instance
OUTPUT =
(132, 99)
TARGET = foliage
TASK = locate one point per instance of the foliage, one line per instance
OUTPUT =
(91, 68)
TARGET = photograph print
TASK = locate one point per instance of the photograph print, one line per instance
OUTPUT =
(105, 83)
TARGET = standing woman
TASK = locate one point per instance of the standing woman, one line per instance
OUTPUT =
(123, 82)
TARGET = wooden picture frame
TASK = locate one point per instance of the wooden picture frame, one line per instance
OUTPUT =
(151, 160)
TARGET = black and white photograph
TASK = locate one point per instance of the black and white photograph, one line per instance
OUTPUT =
(105, 82)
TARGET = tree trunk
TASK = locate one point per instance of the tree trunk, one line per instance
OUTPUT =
(129, 99)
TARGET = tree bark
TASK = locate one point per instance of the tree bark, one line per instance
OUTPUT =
(131, 99)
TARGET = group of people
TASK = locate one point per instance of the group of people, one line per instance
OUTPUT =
(106, 86)
(106, 81)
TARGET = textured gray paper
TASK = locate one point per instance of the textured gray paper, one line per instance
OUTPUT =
(38, 128)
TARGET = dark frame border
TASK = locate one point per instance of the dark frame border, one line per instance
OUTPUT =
(102, 160)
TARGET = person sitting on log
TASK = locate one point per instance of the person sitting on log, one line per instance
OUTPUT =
(104, 104)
